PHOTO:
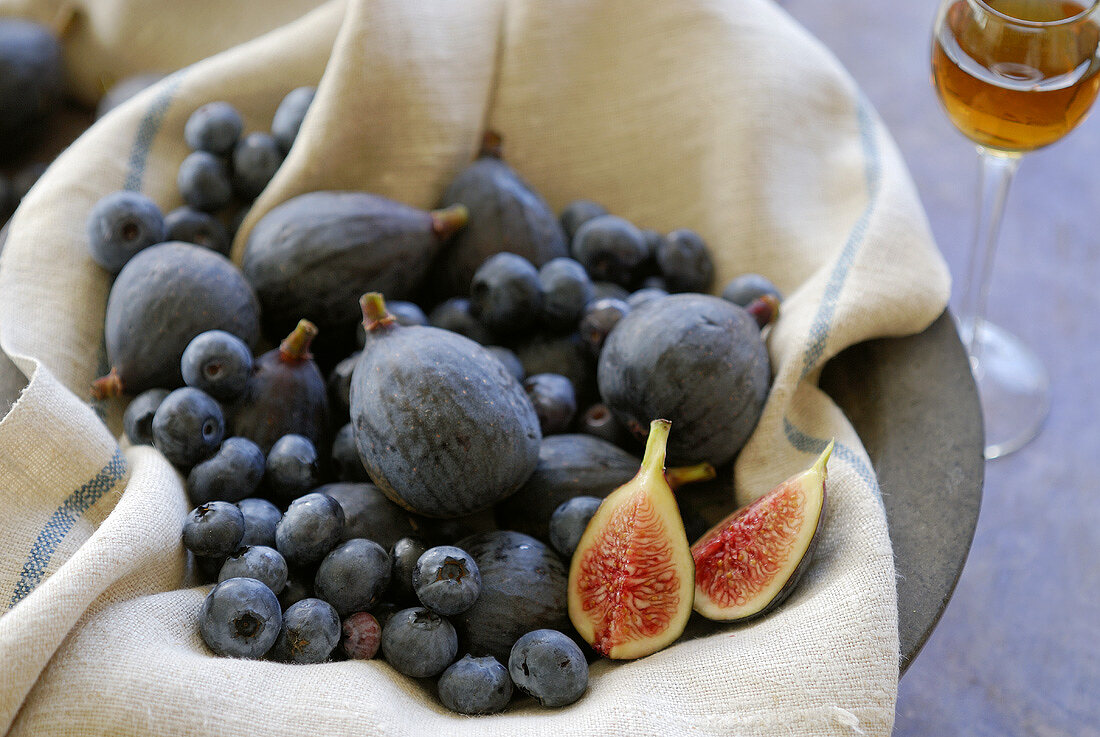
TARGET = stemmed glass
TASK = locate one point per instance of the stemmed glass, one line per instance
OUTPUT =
(1013, 76)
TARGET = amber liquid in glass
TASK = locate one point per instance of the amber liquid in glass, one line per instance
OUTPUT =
(1016, 88)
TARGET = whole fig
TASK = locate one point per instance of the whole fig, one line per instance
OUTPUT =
(285, 394)
(694, 359)
(165, 296)
(505, 215)
(441, 426)
(313, 255)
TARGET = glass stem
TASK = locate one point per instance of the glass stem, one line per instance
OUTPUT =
(994, 179)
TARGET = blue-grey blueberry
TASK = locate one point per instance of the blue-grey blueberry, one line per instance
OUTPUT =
(188, 427)
(311, 631)
(137, 421)
(418, 642)
(217, 362)
(240, 618)
(256, 561)
(312, 526)
(475, 686)
(214, 128)
(213, 530)
(353, 576)
(231, 474)
(121, 224)
(549, 666)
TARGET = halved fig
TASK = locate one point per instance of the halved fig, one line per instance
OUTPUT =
(751, 561)
(631, 578)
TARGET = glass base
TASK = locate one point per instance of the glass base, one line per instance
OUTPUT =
(1013, 386)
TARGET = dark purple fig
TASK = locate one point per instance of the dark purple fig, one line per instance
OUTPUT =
(369, 514)
(313, 255)
(523, 588)
(165, 296)
(695, 360)
(442, 427)
(505, 215)
(285, 394)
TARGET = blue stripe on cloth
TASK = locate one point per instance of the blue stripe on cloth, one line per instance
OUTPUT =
(147, 131)
(61, 523)
(822, 323)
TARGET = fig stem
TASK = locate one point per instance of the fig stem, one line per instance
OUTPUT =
(653, 462)
(106, 387)
(449, 220)
(821, 464)
(491, 146)
(681, 475)
(764, 309)
(295, 347)
(375, 314)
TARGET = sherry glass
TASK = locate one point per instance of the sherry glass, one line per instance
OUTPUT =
(1013, 76)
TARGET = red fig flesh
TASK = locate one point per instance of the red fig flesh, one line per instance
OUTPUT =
(751, 561)
(631, 578)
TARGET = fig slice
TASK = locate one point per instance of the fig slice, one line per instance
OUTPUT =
(632, 576)
(748, 563)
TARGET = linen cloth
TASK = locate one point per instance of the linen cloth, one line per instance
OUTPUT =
(719, 115)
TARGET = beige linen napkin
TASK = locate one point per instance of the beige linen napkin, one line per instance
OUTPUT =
(722, 116)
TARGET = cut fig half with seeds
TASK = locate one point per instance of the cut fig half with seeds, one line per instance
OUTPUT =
(751, 561)
(632, 577)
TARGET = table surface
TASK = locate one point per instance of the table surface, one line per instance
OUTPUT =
(1015, 651)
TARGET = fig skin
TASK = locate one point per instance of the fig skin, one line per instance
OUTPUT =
(441, 426)
(313, 255)
(285, 394)
(696, 360)
(722, 542)
(505, 215)
(523, 588)
(634, 549)
(165, 296)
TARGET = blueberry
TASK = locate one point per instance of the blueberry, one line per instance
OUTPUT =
(554, 399)
(418, 642)
(744, 289)
(256, 158)
(259, 562)
(339, 383)
(475, 686)
(240, 618)
(598, 420)
(214, 128)
(505, 294)
(605, 290)
(217, 362)
(120, 225)
(138, 419)
(213, 530)
(195, 226)
(353, 576)
(362, 635)
(311, 631)
(293, 467)
(188, 427)
(405, 553)
(311, 527)
(345, 456)
(549, 666)
(260, 519)
(230, 475)
(685, 262)
(446, 580)
(509, 359)
(288, 116)
(600, 317)
(610, 248)
(577, 213)
(566, 290)
(32, 79)
(454, 315)
(568, 522)
(645, 296)
(203, 181)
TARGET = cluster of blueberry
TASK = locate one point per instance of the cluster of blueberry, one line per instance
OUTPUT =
(222, 175)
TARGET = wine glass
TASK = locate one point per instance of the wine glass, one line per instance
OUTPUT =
(1013, 76)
